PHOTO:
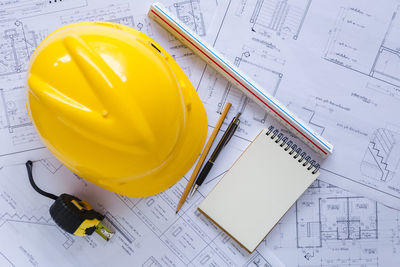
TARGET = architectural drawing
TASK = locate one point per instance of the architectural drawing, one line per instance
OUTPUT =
(338, 117)
(15, 111)
(51, 164)
(317, 126)
(30, 8)
(269, 78)
(151, 262)
(5, 262)
(331, 227)
(119, 13)
(285, 17)
(183, 240)
(386, 89)
(387, 63)
(18, 39)
(382, 157)
(15, 127)
(327, 226)
(258, 55)
(17, 43)
(219, 91)
(335, 108)
(17, 219)
(346, 44)
(258, 261)
(247, 62)
(189, 12)
(338, 218)
(320, 229)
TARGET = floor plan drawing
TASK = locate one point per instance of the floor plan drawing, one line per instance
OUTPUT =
(348, 51)
(339, 218)
(140, 224)
(189, 12)
(312, 121)
(268, 77)
(30, 8)
(185, 240)
(16, 46)
(119, 13)
(332, 63)
(327, 222)
(16, 130)
(17, 219)
(247, 62)
(333, 108)
(389, 90)
(372, 148)
(246, 55)
(51, 164)
(151, 262)
(215, 99)
(20, 219)
(386, 66)
(14, 105)
(285, 17)
(315, 112)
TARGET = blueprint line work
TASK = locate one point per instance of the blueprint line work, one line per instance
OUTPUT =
(206, 52)
(332, 63)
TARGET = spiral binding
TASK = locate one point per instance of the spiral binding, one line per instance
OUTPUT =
(293, 149)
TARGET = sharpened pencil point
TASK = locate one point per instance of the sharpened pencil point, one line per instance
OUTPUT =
(202, 157)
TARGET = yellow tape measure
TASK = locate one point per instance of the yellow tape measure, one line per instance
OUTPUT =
(73, 215)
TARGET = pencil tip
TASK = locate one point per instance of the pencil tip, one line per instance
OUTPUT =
(176, 212)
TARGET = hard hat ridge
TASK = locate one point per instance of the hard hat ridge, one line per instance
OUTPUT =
(105, 81)
(115, 108)
(115, 117)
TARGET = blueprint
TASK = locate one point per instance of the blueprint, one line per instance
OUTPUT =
(335, 64)
(148, 232)
(331, 227)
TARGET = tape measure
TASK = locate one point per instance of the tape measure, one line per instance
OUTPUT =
(72, 214)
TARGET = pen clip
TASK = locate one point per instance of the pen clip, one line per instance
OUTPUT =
(230, 134)
(232, 130)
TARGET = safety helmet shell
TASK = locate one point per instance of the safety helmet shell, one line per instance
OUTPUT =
(115, 108)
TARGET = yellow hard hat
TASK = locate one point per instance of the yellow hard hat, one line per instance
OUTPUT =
(115, 108)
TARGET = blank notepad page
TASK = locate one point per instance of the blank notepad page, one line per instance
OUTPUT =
(258, 190)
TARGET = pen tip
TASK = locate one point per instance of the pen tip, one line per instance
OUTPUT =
(193, 190)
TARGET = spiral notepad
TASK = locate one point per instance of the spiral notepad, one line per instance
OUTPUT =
(260, 187)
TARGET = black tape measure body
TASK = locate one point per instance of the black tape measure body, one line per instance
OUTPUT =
(72, 214)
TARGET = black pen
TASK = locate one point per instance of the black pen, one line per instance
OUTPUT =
(222, 143)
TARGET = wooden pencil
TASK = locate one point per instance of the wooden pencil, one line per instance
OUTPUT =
(203, 156)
